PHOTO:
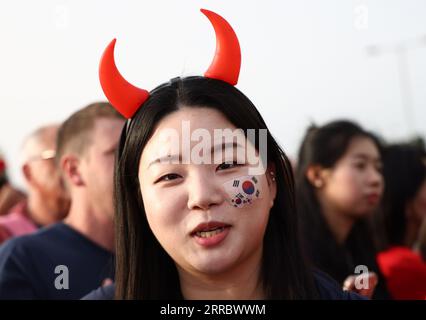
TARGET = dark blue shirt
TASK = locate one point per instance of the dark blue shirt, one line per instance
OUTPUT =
(328, 289)
(56, 262)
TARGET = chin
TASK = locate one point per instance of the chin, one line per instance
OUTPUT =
(213, 265)
(363, 213)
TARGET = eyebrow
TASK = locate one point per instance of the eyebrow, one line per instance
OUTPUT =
(366, 157)
(111, 148)
(216, 148)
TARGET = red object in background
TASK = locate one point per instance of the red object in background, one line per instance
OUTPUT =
(405, 273)
(2, 166)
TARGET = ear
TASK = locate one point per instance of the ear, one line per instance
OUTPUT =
(272, 181)
(71, 169)
(26, 171)
(316, 176)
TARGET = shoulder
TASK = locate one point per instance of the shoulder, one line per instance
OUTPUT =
(329, 289)
(14, 246)
(102, 293)
(28, 245)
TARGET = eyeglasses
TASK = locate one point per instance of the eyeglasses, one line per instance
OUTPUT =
(44, 155)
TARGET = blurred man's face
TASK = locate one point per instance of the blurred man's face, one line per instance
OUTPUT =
(45, 178)
(98, 164)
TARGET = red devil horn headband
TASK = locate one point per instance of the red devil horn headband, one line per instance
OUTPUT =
(127, 98)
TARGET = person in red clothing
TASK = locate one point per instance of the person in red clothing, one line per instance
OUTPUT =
(47, 200)
(404, 209)
(9, 195)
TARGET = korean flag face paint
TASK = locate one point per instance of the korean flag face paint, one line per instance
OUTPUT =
(242, 191)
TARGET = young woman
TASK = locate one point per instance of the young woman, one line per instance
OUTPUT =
(210, 229)
(339, 184)
(404, 210)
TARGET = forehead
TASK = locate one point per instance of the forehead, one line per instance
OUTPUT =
(45, 140)
(48, 137)
(199, 117)
(184, 124)
(192, 119)
(363, 146)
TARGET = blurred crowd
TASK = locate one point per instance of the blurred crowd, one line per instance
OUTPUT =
(361, 202)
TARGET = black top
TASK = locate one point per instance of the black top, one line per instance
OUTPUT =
(328, 289)
(341, 260)
(56, 262)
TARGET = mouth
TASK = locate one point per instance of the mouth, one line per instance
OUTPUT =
(373, 198)
(211, 233)
(209, 229)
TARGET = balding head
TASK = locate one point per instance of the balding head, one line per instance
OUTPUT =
(40, 144)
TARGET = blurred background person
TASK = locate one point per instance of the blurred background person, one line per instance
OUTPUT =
(47, 200)
(9, 195)
(338, 185)
(404, 210)
(82, 246)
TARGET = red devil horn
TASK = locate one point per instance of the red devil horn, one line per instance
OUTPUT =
(124, 96)
(227, 59)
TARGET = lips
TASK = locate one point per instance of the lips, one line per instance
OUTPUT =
(210, 234)
(209, 228)
(373, 198)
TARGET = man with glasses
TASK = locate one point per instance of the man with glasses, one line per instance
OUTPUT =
(47, 200)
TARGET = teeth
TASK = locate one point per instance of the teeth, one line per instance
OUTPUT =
(208, 234)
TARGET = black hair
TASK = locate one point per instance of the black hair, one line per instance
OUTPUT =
(404, 172)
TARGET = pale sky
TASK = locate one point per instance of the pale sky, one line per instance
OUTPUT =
(303, 61)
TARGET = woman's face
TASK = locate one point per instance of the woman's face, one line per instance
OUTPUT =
(197, 211)
(354, 185)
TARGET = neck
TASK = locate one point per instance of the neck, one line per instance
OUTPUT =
(37, 209)
(239, 283)
(96, 226)
(339, 223)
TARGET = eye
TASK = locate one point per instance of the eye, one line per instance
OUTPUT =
(168, 177)
(228, 165)
(110, 152)
(360, 165)
(379, 167)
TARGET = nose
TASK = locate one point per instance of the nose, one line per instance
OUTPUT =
(375, 177)
(204, 192)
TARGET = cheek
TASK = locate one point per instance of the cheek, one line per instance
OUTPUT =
(253, 213)
(164, 211)
(345, 186)
(102, 173)
(48, 176)
(243, 191)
